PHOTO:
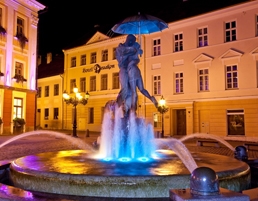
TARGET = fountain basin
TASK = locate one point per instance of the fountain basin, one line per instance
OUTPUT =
(77, 172)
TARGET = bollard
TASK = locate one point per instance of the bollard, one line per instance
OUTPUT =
(240, 153)
(87, 133)
(204, 181)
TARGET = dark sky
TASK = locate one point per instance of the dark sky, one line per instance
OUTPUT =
(67, 24)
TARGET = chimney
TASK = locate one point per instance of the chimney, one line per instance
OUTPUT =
(49, 57)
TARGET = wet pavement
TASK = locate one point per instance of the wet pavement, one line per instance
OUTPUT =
(40, 142)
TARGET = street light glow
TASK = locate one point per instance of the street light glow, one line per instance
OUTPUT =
(77, 99)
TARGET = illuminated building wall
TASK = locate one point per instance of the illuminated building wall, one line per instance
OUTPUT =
(18, 42)
(208, 72)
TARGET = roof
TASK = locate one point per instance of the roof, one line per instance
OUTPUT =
(55, 67)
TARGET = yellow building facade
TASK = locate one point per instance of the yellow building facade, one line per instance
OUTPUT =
(18, 53)
(205, 67)
(93, 68)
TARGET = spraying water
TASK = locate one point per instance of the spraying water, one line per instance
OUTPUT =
(76, 141)
(181, 151)
(125, 138)
(208, 136)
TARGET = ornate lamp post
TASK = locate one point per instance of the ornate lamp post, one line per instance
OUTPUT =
(77, 99)
(162, 108)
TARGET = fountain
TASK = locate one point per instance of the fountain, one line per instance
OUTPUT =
(130, 162)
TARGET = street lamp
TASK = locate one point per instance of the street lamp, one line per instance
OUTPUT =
(77, 99)
(162, 108)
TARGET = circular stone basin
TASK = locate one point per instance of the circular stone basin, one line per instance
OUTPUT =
(77, 172)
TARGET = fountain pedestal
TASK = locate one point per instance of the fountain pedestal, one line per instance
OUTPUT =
(225, 195)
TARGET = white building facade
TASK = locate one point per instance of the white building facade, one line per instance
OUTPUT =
(18, 55)
(206, 69)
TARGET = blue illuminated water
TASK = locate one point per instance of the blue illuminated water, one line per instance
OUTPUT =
(126, 138)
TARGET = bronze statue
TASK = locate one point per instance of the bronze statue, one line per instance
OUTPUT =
(130, 75)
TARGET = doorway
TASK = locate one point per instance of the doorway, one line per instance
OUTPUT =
(181, 122)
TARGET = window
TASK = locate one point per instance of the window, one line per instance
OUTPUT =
(72, 85)
(83, 59)
(56, 111)
(157, 120)
(104, 55)
(56, 89)
(203, 79)
(46, 113)
(46, 91)
(82, 84)
(104, 81)
(91, 115)
(18, 68)
(230, 31)
(236, 122)
(114, 53)
(20, 26)
(157, 85)
(17, 108)
(156, 47)
(1, 16)
(202, 37)
(231, 77)
(257, 73)
(178, 42)
(115, 80)
(93, 83)
(39, 92)
(73, 61)
(93, 57)
(179, 83)
(256, 25)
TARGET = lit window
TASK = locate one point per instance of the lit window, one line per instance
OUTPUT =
(178, 42)
(104, 81)
(115, 81)
(157, 85)
(46, 91)
(56, 113)
(72, 85)
(17, 108)
(179, 81)
(83, 84)
(104, 55)
(83, 59)
(73, 61)
(56, 89)
(93, 83)
(156, 47)
(204, 80)
(202, 37)
(18, 68)
(236, 122)
(20, 26)
(46, 113)
(230, 31)
(231, 77)
(114, 53)
(1, 16)
(93, 57)
(256, 25)
(39, 92)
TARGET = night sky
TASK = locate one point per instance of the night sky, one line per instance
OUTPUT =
(66, 24)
